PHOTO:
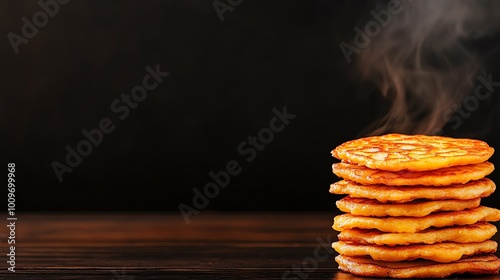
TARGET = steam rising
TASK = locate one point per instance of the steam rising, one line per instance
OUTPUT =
(420, 62)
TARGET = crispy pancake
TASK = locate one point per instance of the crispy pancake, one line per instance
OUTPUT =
(439, 252)
(483, 264)
(416, 208)
(440, 177)
(478, 232)
(395, 152)
(382, 193)
(413, 224)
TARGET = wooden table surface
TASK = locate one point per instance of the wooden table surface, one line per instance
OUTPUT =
(161, 246)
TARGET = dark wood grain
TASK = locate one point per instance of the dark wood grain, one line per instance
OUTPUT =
(162, 246)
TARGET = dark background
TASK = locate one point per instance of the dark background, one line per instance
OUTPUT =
(226, 77)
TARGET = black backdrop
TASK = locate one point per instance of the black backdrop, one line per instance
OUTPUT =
(225, 79)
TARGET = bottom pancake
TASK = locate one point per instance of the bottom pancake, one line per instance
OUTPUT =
(482, 264)
(440, 252)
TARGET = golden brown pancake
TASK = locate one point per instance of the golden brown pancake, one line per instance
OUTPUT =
(439, 252)
(415, 224)
(482, 264)
(396, 152)
(416, 208)
(478, 232)
(440, 177)
(473, 189)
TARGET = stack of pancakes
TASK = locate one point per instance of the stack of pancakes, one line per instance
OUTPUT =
(413, 207)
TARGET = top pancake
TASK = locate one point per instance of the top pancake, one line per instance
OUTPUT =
(441, 177)
(396, 152)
